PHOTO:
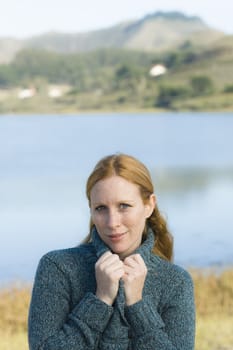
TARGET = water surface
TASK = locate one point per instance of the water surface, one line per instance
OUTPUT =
(45, 160)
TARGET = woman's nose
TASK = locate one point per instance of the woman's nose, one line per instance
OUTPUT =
(113, 219)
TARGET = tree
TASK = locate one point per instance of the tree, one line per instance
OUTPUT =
(7, 76)
(201, 85)
(228, 88)
(169, 94)
(127, 76)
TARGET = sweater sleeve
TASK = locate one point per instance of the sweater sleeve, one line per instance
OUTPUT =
(174, 329)
(52, 325)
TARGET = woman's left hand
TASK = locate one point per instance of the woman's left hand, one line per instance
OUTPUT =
(134, 278)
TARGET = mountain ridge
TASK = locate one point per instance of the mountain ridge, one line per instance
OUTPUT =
(159, 31)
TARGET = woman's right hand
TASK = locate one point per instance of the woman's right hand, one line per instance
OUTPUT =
(108, 271)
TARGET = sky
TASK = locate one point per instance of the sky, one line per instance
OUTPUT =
(25, 18)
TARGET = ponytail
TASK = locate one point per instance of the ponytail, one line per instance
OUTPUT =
(163, 246)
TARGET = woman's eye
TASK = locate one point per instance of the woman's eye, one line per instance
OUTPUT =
(100, 208)
(124, 206)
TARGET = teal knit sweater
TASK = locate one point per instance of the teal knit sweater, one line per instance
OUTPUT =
(65, 314)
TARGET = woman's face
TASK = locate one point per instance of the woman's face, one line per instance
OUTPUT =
(119, 214)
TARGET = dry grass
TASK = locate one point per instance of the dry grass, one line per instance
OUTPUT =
(214, 303)
(14, 303)
(214, 333)
(15, 341)
(213, 292)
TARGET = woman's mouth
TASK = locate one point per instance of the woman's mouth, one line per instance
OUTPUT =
(116, 237)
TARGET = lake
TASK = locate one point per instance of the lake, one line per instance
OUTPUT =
(45, 160)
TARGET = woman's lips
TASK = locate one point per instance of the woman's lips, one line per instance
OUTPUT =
(116, 237)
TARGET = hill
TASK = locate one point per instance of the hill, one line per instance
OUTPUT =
(110, 69)
(155, 32)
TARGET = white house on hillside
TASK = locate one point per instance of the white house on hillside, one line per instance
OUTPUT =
(26, 93)
(158, 69)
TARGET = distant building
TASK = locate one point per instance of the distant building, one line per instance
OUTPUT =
(158, 69)
(26, 93)
(55, 92)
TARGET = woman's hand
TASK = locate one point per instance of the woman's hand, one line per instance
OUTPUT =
(134, 278)
(108, 270)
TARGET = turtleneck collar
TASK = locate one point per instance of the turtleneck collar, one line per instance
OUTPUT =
(144, 250)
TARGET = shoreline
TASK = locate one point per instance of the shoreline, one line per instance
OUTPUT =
(115, 112)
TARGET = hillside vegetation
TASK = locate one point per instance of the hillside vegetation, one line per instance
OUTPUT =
(198, 65)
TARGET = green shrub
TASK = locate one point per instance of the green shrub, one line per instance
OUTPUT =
(168, 94)
(228, 88)
(201, 85)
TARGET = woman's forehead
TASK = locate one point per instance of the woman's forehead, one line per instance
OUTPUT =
(115, 186)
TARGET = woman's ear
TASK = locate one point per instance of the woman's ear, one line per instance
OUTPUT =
(150, 205)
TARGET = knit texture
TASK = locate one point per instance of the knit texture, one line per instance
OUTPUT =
(65, 314)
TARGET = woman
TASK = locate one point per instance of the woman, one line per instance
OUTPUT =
(119, 289)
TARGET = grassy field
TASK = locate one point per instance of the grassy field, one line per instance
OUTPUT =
(89, 102)
(214, 303)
